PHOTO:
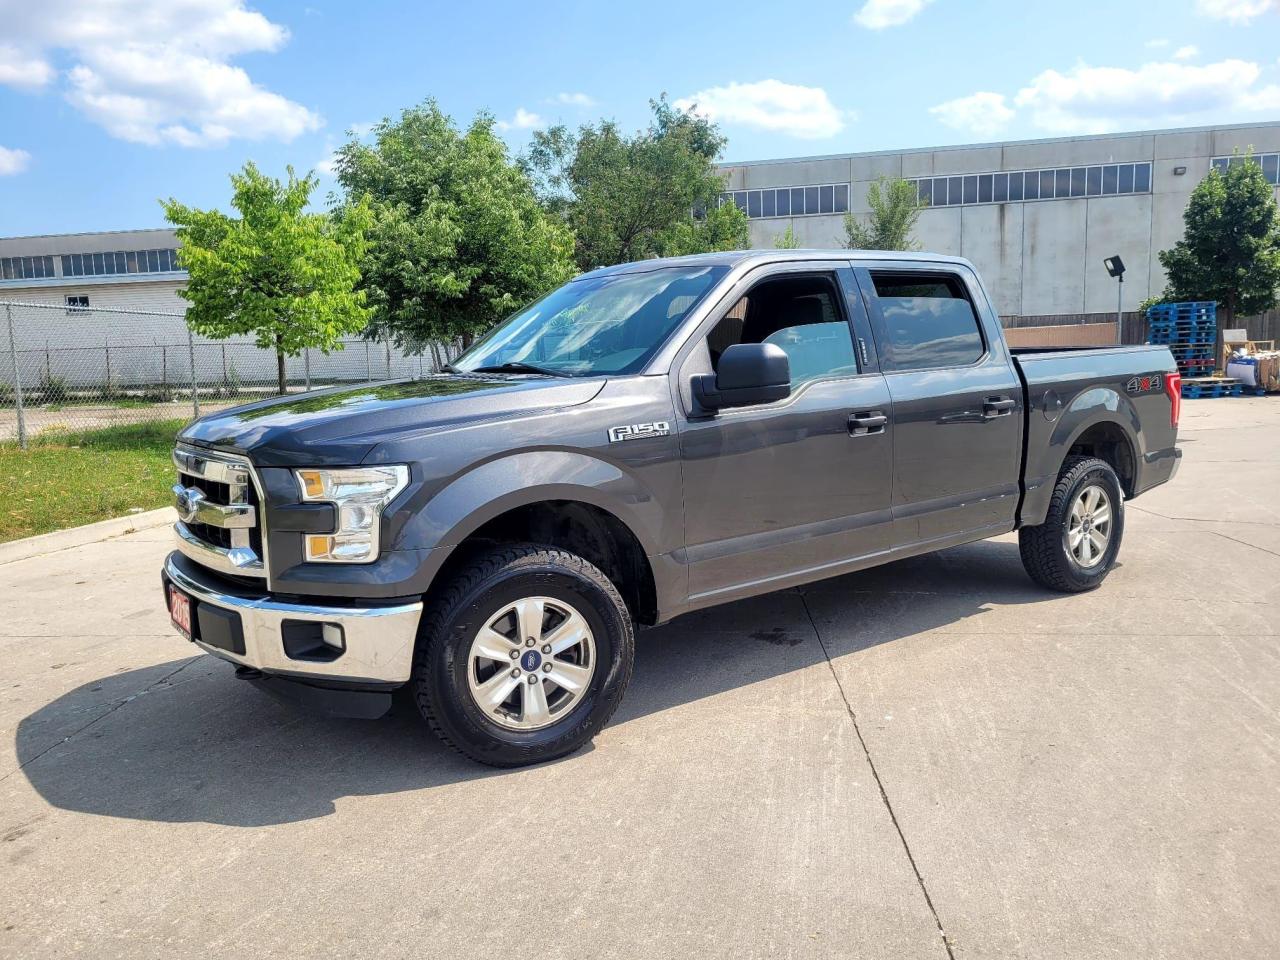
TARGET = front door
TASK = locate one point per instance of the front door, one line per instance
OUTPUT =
(794, 489)
(957, 402)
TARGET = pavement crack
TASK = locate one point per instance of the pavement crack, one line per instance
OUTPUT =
(1245, 543)
(1164, 516)
(162, 682)
(884, 795)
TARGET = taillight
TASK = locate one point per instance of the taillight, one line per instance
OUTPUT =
(1173, 387)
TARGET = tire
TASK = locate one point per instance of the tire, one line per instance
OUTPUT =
(1047, 553)
(450, 677)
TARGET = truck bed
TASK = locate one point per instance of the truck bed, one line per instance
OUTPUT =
(1069, 388)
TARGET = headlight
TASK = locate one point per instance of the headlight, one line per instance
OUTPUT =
(358, 496)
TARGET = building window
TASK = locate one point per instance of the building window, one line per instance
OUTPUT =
(829, 198)
(1270, 163)
(118, 262)
(26, 268)
(77, 304)
(1056, 184)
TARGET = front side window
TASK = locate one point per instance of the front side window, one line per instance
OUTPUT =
(799, 313)
(929, 321)
(606, 324)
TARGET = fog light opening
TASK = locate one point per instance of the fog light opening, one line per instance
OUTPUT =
(312, 640)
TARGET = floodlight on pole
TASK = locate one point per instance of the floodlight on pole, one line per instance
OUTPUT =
(1115, 267)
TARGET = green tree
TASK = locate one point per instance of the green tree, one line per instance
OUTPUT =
(632, 197)
(458, 238)
(722, 227)
(786, 240)
(1230, 251)
(895, 207)
(286, 277)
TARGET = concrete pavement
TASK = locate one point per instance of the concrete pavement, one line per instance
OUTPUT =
(930, 758)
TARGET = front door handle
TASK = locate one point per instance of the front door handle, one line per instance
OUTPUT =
(861, 424)
(997, 407)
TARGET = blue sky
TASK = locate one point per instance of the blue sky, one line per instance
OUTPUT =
(108, 105)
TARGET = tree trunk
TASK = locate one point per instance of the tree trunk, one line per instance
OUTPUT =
(280, 364)
(1226, 320)
(467, 339)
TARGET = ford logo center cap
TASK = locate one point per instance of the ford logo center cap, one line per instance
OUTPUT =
(531, 660)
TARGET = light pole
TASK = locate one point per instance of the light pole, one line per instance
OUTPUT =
(1115, 267)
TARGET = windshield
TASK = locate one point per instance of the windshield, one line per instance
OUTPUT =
(609, 324)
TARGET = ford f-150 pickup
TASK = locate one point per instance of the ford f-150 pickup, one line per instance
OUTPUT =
(647, 440)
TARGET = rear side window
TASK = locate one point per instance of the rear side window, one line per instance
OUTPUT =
(928, 320)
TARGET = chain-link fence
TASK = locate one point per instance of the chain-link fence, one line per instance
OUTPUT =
(71, 368)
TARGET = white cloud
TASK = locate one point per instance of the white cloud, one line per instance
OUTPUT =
(523, 120)
(1189, 52)
(803, 112)
(573, 100)
(19, 68)
(878, 14)
(155, 71)
(13, 161)
(981, 113)
(1089, 99)
(1236, 11)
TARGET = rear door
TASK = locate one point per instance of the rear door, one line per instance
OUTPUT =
(956, 399)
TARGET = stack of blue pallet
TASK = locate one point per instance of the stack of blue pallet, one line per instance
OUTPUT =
(1190, 331)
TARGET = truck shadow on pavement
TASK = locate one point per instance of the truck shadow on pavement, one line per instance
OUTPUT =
(184, 741)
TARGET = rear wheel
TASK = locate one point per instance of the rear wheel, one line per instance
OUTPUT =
(1076, 546)
(524, 656)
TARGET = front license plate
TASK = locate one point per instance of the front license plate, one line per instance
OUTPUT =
(180, 611)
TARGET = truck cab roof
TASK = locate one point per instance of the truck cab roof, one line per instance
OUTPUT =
(737, 258)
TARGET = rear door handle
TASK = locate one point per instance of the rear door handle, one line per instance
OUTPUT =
(997, 407)
(861, 424)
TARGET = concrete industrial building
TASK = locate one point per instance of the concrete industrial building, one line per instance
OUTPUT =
(108, 312)
(1036, 217)
(121, 270)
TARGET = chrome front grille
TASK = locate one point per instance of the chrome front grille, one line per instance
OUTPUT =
(219, 512)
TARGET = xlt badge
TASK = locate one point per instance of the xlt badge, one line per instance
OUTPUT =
(638, 431)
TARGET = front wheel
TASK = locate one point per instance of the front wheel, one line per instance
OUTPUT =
(1076, 546)
(524, 656)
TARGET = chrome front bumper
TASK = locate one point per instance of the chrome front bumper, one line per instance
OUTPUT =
(379, 641)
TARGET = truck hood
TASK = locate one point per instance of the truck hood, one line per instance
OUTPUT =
(340, 426)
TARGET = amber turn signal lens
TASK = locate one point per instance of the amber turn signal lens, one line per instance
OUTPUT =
(312, 483)
(318, 547)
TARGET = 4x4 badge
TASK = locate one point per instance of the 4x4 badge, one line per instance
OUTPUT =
(1150, 383)
(638, 431)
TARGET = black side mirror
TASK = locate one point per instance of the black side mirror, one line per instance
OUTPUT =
(748, 373)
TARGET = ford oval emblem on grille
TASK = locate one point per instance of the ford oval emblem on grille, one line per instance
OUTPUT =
(187, 503)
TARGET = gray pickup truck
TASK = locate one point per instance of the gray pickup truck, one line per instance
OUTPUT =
(647, 440)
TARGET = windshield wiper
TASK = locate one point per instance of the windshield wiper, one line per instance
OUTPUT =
(518, 366)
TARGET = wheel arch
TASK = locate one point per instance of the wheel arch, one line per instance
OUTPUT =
(1109, 440)
(1099, 422)
(603, 515)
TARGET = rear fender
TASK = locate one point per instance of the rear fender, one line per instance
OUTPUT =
(1088, 409)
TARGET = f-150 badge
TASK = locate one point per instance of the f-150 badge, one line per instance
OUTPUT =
(638, 431)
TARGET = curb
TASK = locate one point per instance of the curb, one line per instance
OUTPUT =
(79, 536)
